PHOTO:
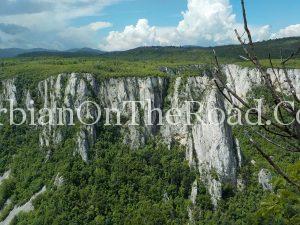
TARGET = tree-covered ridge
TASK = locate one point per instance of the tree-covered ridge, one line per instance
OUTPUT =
(143, 61)
(37, 69)
(34, 70)
(263, 48)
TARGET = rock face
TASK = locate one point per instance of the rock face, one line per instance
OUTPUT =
(27, 207)
(66, 91)
(209, 142)
(242, 79)
(5, 176)
(8, 92)
(210, 146)
(59, 180)
(264, 178)
(113, 93)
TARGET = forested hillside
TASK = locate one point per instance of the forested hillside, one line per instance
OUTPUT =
(183, 53)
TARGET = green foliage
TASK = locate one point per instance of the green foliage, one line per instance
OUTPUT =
(283, 205)
(32, 70)
(203, 199)
(6, 190)
(262, 49)
(150, 185)
(280, 206)
(6, 210)
(228, 190)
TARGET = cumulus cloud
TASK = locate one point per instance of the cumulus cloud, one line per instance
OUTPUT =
(208, 20)
(140, 34)
(289, 31)
(205, 22)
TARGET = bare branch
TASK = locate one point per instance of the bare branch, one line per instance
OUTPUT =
(274, 143)
(290, 57)
(290, 83)
(271, 162)
(246, 25)
(222, 86)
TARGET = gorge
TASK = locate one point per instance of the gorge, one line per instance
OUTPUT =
(211, 149)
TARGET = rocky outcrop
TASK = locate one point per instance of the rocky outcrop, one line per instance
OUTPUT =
(59, 180)
(114, 93)
(209, 141)
(243, 79)
(264, 178)
(209, 146)
(8, 92)
(5, 176)
(66, 91)
(27, 207)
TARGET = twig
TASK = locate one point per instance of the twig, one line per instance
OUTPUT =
(274, 143)
(271, 162)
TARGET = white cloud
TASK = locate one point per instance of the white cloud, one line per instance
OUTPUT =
(49, 22)
(289, 31)
(86, 36)
(205, 22)
(99, 25)
(140, 34)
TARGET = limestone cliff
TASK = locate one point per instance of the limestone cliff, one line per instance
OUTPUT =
(210, 147)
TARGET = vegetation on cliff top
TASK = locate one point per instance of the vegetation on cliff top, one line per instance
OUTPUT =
(144, 61)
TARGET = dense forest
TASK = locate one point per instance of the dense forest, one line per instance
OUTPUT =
(150, 185)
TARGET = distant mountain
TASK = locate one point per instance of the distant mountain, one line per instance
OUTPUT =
(85, 50)
(18, 52)
(263, 48)
(287, 45)
(76, 52)
(13, 52)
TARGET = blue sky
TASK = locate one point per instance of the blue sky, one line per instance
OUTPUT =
(280, 14)
(124, 24)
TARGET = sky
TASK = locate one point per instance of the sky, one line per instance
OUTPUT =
(112, 25)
